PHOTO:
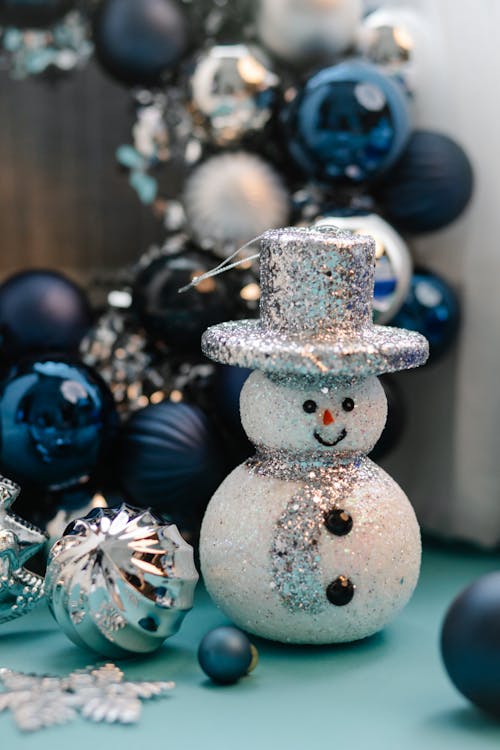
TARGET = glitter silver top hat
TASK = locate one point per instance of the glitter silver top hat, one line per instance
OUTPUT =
(316, 312)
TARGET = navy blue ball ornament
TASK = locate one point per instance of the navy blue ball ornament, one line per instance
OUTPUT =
(349, 123)
(430, 186)
(32, 13)
(228, 382)
(225, 654)
(396, 418)
(431, 308)
(179, 320)
(139, 41)
(57, 418)
(41, 311)
(169, 458)
(470, 643)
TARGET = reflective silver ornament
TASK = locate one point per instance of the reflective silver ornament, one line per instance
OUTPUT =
(397, 40)
(232, 92)
(394, 263)
(120, 581)
(20, 589)
(231, 198)
(302, 32)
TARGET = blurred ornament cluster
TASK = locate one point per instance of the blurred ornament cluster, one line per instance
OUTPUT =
(262, 114)
(50, 38)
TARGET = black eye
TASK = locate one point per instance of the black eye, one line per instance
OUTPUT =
(348, 404)
(309, 406)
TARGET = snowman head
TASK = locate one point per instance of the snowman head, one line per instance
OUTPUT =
(337, 416)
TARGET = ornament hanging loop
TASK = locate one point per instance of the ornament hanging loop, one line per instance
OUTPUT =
(226, 265)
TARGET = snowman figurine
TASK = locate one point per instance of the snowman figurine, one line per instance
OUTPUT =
(309, 541)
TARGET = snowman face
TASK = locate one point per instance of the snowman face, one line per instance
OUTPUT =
(337, 418)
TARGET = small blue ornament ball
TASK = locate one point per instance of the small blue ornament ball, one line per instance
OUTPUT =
(41, 311)
(169, 457)
(430, 186)
(138, 41)
(349, 123)
(431, 308)
(225, 654)
(57, 418)
(470, 643)
(32, 13)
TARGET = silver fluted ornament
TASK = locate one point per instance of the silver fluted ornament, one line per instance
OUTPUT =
(120, 581)
(20, 589)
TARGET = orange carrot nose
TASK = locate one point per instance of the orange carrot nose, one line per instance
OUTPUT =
(327, 417)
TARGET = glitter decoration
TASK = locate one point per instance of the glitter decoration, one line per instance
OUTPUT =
(326, 329)
(120, 581)
(118, 349)
(394, 264)
(98, 694)
(60, 49)
(162, 132)
(309, 541)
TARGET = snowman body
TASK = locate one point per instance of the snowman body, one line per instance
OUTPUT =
(310, 541)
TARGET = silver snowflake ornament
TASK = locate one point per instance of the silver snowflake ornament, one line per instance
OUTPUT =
(99, 694)
(20, 589)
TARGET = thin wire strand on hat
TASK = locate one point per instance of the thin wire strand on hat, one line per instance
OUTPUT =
(226, 265)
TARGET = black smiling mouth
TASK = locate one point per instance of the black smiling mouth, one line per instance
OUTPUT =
(321, 440)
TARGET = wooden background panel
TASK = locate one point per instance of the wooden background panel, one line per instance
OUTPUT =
(63, 201)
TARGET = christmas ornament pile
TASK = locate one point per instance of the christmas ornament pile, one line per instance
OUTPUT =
(267, 114)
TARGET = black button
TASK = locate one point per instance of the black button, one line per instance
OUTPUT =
(309, 406)
(338, 522)
(340, 591)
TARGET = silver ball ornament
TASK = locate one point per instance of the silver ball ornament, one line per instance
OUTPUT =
(120, 581)
(398, 41)
(301, 32)
(232, 198)
(232, 92)
(394, 263)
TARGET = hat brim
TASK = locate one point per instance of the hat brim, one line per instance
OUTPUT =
(375, 350)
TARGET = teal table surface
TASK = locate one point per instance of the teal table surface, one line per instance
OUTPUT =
(388, 692)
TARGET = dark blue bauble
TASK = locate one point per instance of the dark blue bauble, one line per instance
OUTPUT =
(57, 418)
(470, 643)
(430, 186)
(32, 13)
(396, 418)
(169, 457)
(431, 308)
(225, 655)
(349, 123)
(228, 382)
(138, 41)
(41, 311)
(179, 320)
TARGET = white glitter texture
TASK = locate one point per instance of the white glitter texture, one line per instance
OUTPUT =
(273, 416)
(248, 516)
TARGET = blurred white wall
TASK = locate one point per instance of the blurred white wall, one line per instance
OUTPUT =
(449, 461)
